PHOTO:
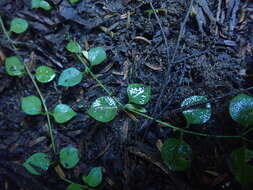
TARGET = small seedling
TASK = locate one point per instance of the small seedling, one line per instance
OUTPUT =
(94, 178)
(63, 113)
(241, 109)
(70, 77)
(18, 25)
(31, 105)
(176, 154)
(13, 66)
(37, 163)
(103, 109)
(73, 47)
(138, 93)
(69, 157)
(196, 115)
(41, 4)
(45, 74)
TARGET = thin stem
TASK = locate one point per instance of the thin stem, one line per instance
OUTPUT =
(45, 107)
(246, 132)
(6, 33)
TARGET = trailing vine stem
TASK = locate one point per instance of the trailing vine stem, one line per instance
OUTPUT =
(36, 86)
(152, 118)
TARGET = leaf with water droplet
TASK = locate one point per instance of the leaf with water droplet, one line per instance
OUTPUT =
(176, 154)
(69, 157)
(37, 163)
(139, 93)
(13, 66)
(74, 47)
(18, 25)
(94, 178)
(241, 109)
(31, 105)
(63, 113)
(242, 170)
(44, 74)
(70, 77)
(75, 186)
(197, 115)
(96, 55)
(103, 109)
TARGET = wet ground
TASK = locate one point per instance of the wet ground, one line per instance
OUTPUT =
(177, 52)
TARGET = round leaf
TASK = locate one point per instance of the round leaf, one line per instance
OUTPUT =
(103, 109)
(74, 186)
(96, 55)
(18, 25)
(176, 154)
(242, 170)
(74, 1)
(37, 163)
(31, 105)
(70, 77)
(74, 47)
(36, 4)
(241, 109)
(69, 157)
(63, 113)
(94, 178)
(13, 66)
(196, 115)
(41, 4)
(45, 74)
(138, 93)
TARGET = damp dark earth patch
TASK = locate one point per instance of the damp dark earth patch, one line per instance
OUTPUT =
(126, 94)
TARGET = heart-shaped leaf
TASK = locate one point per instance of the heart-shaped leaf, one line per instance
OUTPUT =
(139, 93)
(94, 178)
(31, 105)
(14, 66)
(74, 47)
(74, 186)
(63, 113)
(241, 109)
(37, 163)
(176, 154)
(242, 170)
(69, 157)
(74, 1)
(132, 107)
(18, 25)
(96, 55)
(70, 77)
(44, 74)
(197, 115)
(41, 4)
(103, 109)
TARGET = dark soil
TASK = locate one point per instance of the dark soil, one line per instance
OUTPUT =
(213, 59)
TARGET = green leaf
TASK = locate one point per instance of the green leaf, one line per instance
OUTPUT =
(242, 170)
(94, 178)
(45, 74)
(132, 107)
(241, 109)
(41, 4)
(197, 115)
(14, 66)
(31, 105)
(74, 186)
(69, 157)
(176, 154)
(63, 113)
(74, 1)
(138, 93)
(96, 55)
(18, 25)
(70, 77)
(103, 109)
(74, 47)
(37, 163)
